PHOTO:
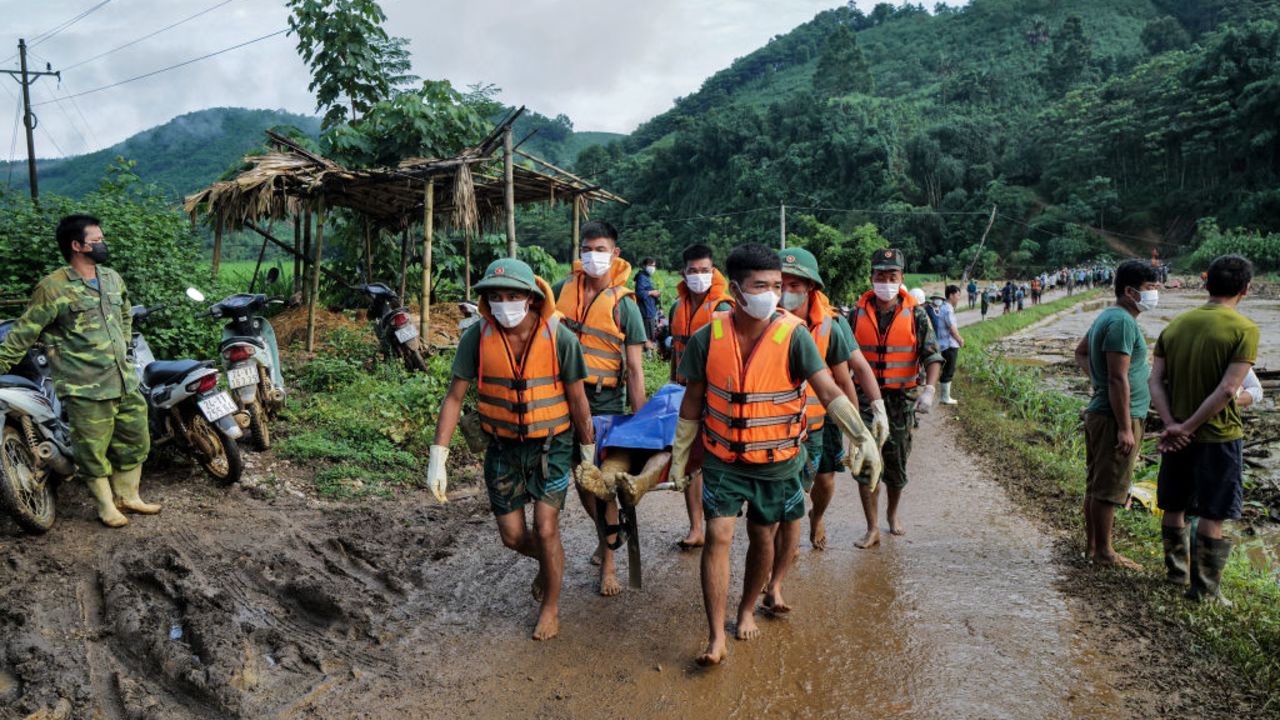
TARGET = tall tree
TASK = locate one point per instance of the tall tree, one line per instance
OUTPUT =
(1070, 56)
(842, 68)
(1163, 35)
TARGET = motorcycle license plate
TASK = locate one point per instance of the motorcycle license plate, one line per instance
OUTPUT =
(407, 333)
(238, 377)
(216, 406)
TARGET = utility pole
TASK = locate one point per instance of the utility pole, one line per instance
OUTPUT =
(782, 226)
(25, 78)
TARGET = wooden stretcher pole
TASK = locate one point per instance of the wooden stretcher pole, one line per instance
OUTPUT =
(428, 222)
(315, 279)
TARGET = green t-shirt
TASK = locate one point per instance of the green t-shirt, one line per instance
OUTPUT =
(803, 361)
(613, 401)
(1115, 330)
(841, 346)
(1197, 347)
(466, 361)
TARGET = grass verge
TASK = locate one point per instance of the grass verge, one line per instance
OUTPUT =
(1035, 435)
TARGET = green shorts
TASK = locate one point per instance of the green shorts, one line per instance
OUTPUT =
(515, 472)
(768, 501)
(813, 455)
(832, 449)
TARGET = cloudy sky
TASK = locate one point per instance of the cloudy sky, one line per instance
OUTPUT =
(607, 64)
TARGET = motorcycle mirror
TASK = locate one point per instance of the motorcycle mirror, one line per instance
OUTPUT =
(273, 274)
(195, 295)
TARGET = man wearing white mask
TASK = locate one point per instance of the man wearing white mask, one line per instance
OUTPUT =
(895, 335)
(1114, 353)
(601, 310)
(745, 402)
(529, 370)
(701, 292)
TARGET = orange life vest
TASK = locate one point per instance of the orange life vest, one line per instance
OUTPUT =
(597, 324)
(521, 398)
(893, 352)
(820, 323)
(686, 319)
(754, 412)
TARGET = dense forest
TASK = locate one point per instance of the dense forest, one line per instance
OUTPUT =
(1095, 126)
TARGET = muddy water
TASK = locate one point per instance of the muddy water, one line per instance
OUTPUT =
(960, 618)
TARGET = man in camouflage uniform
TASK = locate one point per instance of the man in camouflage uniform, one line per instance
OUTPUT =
(880, 324)
(81, 313)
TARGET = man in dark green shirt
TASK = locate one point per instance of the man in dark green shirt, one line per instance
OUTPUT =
(81, 313)
(1201, 360)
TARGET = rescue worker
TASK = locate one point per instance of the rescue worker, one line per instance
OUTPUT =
(81, 313)
(529, 372)
(702, 291)
(895, 335)
(602, 311)
(802, 295)
(746, 374)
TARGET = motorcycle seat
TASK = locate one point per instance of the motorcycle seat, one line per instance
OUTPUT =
(18, 381)
(166, 371)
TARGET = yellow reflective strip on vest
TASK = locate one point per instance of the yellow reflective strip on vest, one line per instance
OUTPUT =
(780, 334)
(717, 328)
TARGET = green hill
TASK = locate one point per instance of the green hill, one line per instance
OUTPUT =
(1095, 126)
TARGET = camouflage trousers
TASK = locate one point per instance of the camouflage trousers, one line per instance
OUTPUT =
(108, 435)
(901, 409)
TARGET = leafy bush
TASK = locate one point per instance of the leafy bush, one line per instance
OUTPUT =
(1262, 249)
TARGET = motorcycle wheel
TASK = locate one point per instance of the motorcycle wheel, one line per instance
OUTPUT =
(413, 360)
(258, 429)
(225, 464)
(28, 497)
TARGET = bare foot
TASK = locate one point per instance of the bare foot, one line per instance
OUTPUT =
(714, 654)
(609, 585)
(870, 540)
(774, 603)
(548, 624)
(690, 541)
(747, 629)
(1117, 560)
(598, 556)
(896, 529)
(817, 533)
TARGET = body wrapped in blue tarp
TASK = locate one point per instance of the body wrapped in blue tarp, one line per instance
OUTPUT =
(653, 428)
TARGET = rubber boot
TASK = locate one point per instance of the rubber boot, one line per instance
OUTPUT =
(633, 487)
(100, 488)
(1207, 561)
(124, 485)
(946, 394)
(1176, 553)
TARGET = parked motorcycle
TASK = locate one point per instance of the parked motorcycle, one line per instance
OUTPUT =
(185, 405)
(392, 324)
(251, 358)
(35, 448)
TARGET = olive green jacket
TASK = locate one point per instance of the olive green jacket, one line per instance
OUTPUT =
(86, 332)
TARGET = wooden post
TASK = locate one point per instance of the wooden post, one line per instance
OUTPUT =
(428, 221)
(315, 279)
(466, 272)
(297, 251)
(508, 168)
(782, 226)
(368, 251)
(577, 226)
(217, 248)
(306, 253)
(404, 256)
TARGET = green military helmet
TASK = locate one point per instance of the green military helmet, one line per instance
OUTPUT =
(800, 263)
(509, 274)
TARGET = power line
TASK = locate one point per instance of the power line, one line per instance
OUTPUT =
(70, 120)
(59, 28)
(88, 125)
(13, 143)
(172, 67)
(148, 35)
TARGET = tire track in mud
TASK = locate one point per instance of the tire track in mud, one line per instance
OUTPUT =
(101, 665)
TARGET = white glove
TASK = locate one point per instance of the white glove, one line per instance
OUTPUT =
(925, 402)
(587, 454)
(863, 449)
(437, 478)
(879, 422)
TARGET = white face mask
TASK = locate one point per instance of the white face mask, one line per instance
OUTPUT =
(509, 314)
(698, 283)
(596, 264)
(885, 291)
(651, 269)
(937, 302)
(794, 301)
(760, 305)
(1148, 299)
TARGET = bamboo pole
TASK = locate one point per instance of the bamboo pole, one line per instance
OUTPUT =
(509, 185)
(297, 251)
(315, 279)
(404, 257)
(577, 222)
(306, 252)
(217, 248)
(466, 252)
(428, 221)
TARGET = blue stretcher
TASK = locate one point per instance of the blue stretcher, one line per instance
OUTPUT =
(653, 428)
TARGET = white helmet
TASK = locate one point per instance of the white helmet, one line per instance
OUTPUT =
(918, 294)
